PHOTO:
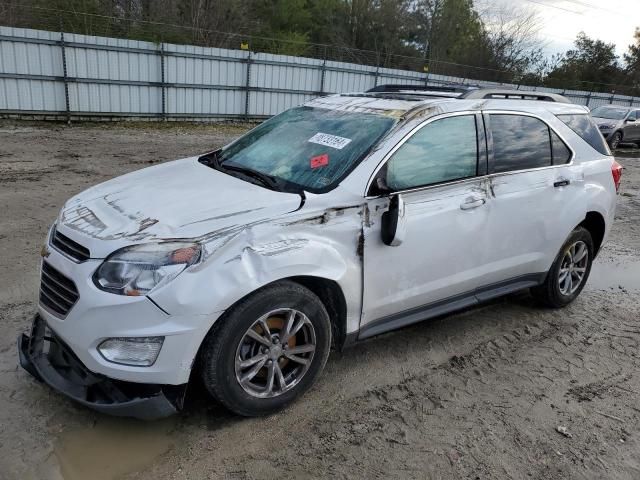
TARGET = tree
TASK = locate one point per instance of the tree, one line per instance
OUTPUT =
(632, 61)
(591, 65)
(513, 38)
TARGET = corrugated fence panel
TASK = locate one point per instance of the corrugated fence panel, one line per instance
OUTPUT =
(126, 78)
(31, 95)
(183, 101)
(30, 59)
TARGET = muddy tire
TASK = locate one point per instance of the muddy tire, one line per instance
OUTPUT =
(614, 140)
(267, 349)
(569, 272)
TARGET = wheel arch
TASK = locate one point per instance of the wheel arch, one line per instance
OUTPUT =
(595, 224)
(332, 297)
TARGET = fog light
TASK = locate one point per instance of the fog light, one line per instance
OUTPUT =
(135, 351)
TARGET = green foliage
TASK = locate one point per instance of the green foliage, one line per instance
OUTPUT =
(632, 60)
(448, 36)
(593, 65)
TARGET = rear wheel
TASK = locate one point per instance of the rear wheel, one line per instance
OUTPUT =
(267, 350)
(614, 141)
(569, 272)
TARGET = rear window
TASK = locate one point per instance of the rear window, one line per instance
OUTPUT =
(521, 143)
(584, 126)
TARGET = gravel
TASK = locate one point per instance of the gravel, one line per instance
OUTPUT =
(506, 390)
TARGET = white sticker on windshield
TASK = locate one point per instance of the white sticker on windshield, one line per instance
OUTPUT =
(332, 141)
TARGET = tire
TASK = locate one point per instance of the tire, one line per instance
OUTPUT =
(229, 345)
(614, 141)
(554, 292)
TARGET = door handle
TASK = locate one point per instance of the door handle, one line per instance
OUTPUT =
(562, 183)
(472, 202)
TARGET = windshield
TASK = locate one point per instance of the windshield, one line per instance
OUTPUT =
(313, 148)
(610, 113)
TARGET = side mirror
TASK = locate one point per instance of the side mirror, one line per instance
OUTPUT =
(394, 224)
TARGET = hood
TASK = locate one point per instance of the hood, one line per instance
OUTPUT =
(605, 121)
(180, 199)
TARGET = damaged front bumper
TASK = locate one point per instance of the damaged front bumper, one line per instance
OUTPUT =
(48, 359)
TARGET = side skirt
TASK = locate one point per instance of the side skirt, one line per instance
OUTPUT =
(449, 305)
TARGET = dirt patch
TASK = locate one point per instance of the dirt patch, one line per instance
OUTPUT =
(480, 394)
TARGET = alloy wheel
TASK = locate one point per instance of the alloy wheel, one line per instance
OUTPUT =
(615, 141)
(573, 268)
(275, 353)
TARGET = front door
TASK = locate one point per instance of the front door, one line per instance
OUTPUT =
(632, 129)
(440, 173)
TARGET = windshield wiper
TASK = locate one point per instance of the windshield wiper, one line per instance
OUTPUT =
(213, 160)
(267, 180)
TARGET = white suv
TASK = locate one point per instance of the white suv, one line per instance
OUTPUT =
(332, 222)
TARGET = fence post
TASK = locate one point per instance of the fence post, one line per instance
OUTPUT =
(611, 98)
(632, 101)
(323, 71)
(375, 76)
(247, 86)
(589, 98)
(162, 83)
(64, 78)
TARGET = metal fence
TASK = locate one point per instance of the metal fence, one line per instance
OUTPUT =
(70, 76)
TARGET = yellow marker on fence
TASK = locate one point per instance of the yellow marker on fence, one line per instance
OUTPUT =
(244, 45)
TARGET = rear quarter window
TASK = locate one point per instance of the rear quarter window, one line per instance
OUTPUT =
(586, 128)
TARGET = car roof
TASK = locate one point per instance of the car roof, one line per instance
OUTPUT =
(403, 104)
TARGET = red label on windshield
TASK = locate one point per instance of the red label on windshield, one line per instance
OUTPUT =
(320, 161)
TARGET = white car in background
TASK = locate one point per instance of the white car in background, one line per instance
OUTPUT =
(330, 223)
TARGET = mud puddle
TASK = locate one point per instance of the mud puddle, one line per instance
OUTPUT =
(108, 450)
(624, 275)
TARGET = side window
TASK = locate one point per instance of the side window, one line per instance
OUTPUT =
(519, 143)
(442, 151)
(586, 128)
(559, 150)
(633, 116)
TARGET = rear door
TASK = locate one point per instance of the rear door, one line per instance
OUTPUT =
(533, 183)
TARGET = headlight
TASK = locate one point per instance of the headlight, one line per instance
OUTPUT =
(139, 269)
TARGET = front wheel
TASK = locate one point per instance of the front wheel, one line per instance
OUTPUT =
(615, 140)
(267, 350)
(569, 272)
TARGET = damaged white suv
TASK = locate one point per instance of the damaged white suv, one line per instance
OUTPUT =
(342, 219)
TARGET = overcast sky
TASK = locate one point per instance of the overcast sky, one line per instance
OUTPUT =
(613, 21)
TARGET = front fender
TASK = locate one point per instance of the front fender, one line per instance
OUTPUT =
(325, 246)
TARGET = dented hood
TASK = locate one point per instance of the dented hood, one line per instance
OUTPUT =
(180, 199)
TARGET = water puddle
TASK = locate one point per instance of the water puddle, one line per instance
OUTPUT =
(608, 276)
(110, 449)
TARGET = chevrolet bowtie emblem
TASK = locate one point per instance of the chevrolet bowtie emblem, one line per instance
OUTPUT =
(45, 252)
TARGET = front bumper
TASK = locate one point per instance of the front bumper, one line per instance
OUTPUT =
(45, 356)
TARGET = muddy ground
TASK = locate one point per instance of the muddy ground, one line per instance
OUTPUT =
(479, 394)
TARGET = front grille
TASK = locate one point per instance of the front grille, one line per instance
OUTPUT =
(70, 248)
(57, 292)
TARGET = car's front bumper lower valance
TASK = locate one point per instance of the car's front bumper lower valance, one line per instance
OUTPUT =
(48, 359)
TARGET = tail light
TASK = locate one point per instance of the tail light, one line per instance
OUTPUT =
(616, 172)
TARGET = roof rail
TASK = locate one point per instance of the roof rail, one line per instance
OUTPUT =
(487, 93)
(395, 88)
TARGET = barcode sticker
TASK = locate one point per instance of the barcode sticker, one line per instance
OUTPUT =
(328, 140)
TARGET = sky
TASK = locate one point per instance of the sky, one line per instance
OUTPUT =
(613, 21)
